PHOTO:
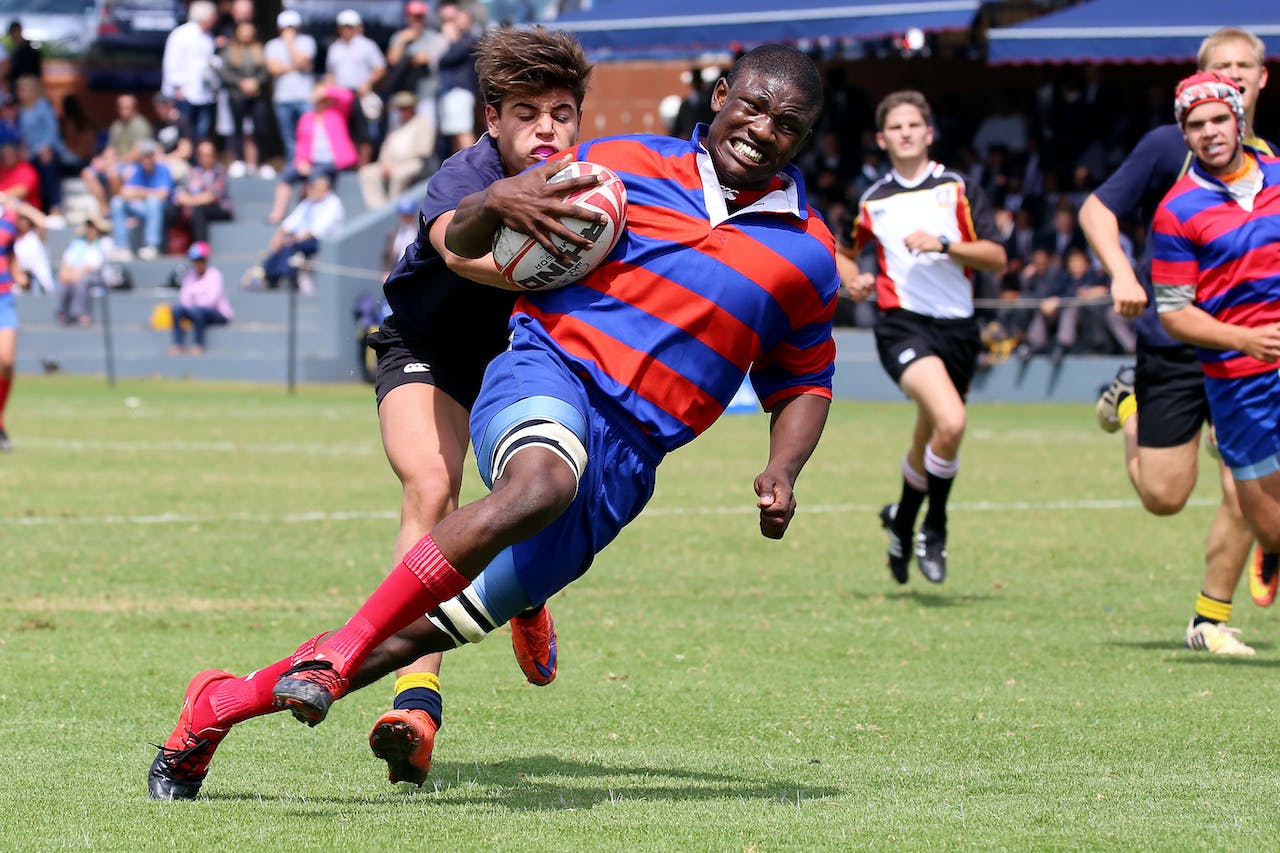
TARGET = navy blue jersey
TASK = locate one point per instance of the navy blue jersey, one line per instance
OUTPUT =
(431, 304)
(1154, 165)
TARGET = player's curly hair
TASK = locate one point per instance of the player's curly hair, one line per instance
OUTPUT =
(782, 62)
(525, 61)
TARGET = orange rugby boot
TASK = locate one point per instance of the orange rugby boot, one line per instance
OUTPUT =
(533, 638)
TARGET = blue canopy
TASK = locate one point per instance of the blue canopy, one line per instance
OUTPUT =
(1129, 31)
(671, 28)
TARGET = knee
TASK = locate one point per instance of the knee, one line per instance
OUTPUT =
(535, 489)
(1162, 500)
(1268, 537)
(427, 499)
(948, 432)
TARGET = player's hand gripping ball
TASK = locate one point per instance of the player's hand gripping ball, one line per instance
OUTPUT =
(524, 263)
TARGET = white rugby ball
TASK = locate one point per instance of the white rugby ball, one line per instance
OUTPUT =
(524, 263)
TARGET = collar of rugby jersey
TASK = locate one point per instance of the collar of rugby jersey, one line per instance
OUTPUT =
(781, 196)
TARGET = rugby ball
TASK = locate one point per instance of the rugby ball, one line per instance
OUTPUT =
(524, 263)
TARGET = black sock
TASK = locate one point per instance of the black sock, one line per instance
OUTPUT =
(904, 521)
(939, 489)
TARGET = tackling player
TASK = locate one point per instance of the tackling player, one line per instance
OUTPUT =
(442, 333)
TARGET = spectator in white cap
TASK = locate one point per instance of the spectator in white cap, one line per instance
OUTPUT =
(291, 60)
(356, 63)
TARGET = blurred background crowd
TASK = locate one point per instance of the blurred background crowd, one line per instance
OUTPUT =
(183, 101)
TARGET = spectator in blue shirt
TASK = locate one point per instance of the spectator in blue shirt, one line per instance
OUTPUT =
(38, 125)
(145, 194)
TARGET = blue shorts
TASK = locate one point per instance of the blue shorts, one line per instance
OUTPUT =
(616, 483)
(8, 311)
(1246, 417)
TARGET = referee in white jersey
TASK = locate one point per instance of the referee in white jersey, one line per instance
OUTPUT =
(931, 230)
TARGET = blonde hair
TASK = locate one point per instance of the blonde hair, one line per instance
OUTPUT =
(1229, 34)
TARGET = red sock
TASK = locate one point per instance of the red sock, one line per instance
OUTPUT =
(5, 385)
(238, 699)
(419, 582)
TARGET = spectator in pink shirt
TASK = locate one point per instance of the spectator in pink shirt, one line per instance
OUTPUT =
(324, 146)
(201, 300)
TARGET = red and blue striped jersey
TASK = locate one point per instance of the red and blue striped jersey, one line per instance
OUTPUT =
(695, 296)
(1201, 236)
(8, 236)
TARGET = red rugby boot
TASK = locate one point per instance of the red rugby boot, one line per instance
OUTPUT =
(180, 766)
(309, 689)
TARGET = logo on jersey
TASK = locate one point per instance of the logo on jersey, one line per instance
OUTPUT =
(906, 356)
(417, 367)
(945, 195)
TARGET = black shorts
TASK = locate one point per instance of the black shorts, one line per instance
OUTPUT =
(903, 336)
(1172, 405)
(454, 371)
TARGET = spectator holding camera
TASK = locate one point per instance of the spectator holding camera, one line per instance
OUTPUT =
(291, 60)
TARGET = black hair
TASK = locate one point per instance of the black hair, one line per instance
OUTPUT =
(782, 62)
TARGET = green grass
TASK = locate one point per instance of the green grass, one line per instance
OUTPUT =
(717, 691)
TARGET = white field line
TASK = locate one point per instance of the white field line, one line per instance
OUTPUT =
(1022, 436)
(89, 444)
(652, 512)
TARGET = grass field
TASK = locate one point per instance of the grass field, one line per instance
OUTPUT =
(717, 691)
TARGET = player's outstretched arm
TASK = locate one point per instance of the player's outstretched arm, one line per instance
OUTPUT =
(1102, 230)
(794, 431)
(526, 203)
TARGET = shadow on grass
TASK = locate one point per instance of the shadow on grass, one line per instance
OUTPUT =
(1196, 659)
(551, 783)
(1179, 654)
(936, 599)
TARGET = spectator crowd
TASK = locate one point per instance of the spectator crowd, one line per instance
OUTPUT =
(1036, 157)
(299, 111)
(236, 104)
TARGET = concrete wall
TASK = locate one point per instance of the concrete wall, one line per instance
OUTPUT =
(255, 346)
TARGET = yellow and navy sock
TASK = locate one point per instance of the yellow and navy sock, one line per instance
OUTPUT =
(1212, 610)
(420, 691)
(1127, 408)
